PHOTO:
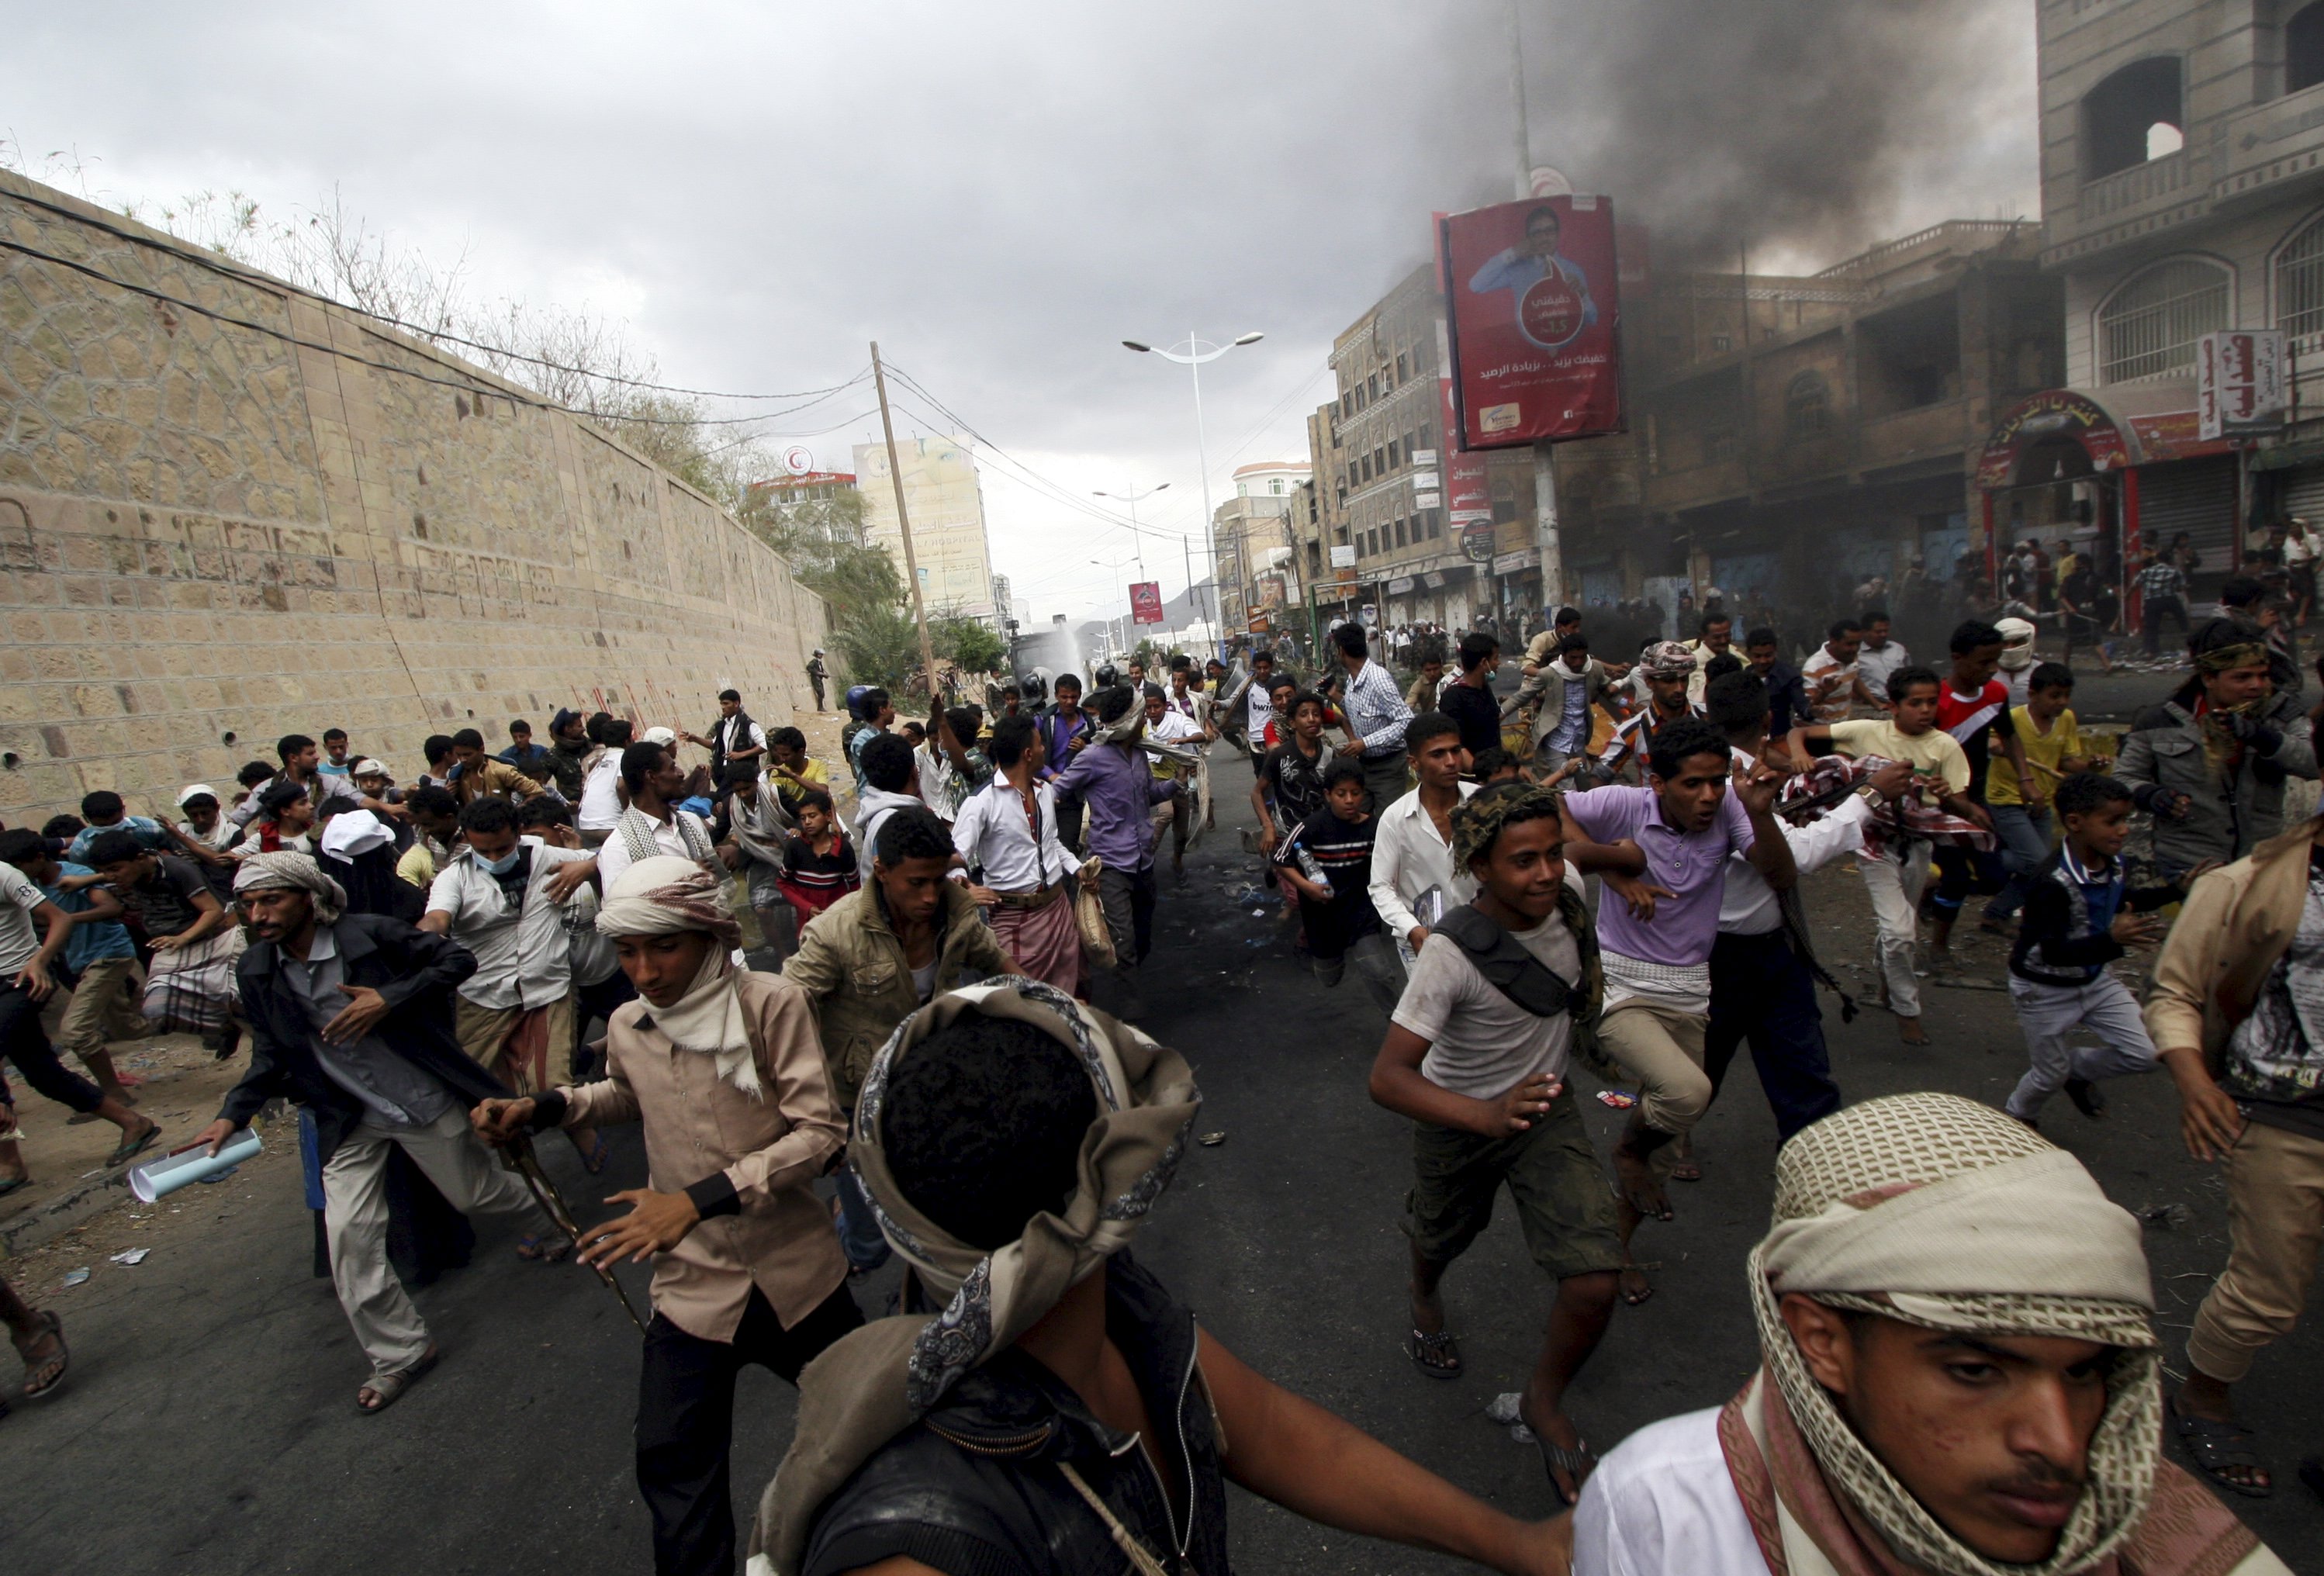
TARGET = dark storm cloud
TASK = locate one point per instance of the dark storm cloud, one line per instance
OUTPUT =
(1001, 194)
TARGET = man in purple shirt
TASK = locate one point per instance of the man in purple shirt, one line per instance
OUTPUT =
(1663, 850)
(1111, 778)
(1063, 731)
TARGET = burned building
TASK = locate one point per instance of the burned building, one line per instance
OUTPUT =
(1793, 437)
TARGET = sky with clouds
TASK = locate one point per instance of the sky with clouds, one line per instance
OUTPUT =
(1002, 193)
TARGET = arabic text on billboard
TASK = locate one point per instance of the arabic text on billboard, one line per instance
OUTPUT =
(1534, 302)
(1146, 601)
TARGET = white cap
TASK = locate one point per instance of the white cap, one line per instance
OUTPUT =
(663, 736)
(367, 767)
(194, 790)
(353, 832)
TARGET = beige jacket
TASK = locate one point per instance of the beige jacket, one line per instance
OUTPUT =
(853, 966)
(2237, 922)
(748, 1162)
(498, 777)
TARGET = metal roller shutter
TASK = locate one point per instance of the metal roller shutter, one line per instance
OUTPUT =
(2198, 497)
(2301, 492)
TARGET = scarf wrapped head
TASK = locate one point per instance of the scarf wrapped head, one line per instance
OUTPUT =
(1666, 660)
(1478, 819)
(1121, 729)
(876, 1381)
(662, 896)
(267, 872)
(1945, 1213)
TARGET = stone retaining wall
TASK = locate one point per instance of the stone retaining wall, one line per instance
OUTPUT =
(214, 534)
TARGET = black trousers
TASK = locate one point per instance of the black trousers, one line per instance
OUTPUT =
(1762, 992)
(686, 1422)
(24, 1042)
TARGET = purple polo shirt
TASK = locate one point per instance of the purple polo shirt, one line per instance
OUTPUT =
(1693, 864)
(1119, 790)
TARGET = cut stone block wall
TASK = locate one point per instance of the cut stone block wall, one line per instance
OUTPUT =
(213, 533)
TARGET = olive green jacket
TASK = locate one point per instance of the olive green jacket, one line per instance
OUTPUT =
(853, 966)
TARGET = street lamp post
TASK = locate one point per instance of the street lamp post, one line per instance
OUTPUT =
(1134, 498)
(1191, 354)
(1121, 640)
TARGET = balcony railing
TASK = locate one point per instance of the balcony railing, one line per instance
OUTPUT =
(2112, 196)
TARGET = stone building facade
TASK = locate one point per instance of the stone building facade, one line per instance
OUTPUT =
(231, 511)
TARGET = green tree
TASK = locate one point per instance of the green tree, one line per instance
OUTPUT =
(968, 644)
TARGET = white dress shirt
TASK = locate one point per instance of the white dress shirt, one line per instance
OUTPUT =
(992, 831)
(613, 855)
(1662, 1504)
(1408, 858)
(600, 799)
(1748, 906)
(523, 955)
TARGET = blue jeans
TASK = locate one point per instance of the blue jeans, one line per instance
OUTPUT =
(2024, 843)
(859, 1228)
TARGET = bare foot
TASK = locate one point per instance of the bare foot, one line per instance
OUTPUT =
(1636, 1287)
(1635, 1179)
(1910, 1031)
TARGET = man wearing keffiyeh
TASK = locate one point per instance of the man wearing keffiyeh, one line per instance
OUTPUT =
(1958, 1377)
(1043, 1405)
(724, 1068)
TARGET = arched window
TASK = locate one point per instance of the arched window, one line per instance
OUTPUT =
(2304, 49)
(2300, 278)
(1807, 405)
(2120, 117)
(2149, 325)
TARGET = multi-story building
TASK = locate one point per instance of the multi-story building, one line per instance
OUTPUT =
(1258, 567)
(947, 511)
(1380, 470)
(1793, 437)
(2182, 193)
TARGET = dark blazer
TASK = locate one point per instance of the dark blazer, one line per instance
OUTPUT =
(413, 970)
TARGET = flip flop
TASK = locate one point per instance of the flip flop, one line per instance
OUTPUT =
(1442, 1347)
(2215, 1447)
(129, 1148)
(55, 1328)
(1579, 1462)
(12, 1184)
(544, 1249)
(593, 1162)
(388, 1388)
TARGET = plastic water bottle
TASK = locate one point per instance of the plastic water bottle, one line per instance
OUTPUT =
(1313, 871)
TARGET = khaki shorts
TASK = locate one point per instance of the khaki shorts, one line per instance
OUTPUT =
(1564, 1205)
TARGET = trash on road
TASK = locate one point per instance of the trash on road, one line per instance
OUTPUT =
(132, 1255)
(1212, 1140)
(1619, 1099)
(74, 1278)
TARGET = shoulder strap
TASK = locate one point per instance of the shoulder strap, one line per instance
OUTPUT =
(1506, 963)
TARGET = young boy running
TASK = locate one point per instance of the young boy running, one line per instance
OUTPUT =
(2055, 750)
(1328, 862)
(1896, 878)
(2079, 916)
(1476, 1056)
(1974, 707)
(820, 863)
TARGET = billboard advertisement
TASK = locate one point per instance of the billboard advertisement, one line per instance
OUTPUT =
(1533, 292)
(1146, 601)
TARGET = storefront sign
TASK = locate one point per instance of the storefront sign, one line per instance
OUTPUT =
(2053, 413)
(1343, 558)
(2239, 384)
(1517, 562)
(1477, 539)
(1146, 601)
(1400, 586)
(1434, 580)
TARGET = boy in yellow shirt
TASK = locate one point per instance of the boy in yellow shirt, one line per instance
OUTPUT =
(2055, 748)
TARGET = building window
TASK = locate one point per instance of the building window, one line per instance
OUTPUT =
(1720, 344)
(1392, 461)
(1372, 385)
(1379, 462)
(2133, 116)
(1807, 405)
(2300, 276)
(1399, 368)
(1399, 533)
(1276, 486)
(2149, 325)
(1347, 405)
(2304, 49)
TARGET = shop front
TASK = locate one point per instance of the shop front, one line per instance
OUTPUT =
(2115, 476)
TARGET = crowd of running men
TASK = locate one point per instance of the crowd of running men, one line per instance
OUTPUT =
(929, 988)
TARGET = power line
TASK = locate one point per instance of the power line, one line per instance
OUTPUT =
(463, 385)
(231, 269)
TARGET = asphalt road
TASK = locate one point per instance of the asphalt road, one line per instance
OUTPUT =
(208, 1425)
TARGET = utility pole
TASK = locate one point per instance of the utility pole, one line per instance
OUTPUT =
(1544, 453)
(904, 522)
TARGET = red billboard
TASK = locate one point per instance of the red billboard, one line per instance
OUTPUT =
(1533, 292)
(1146, 601)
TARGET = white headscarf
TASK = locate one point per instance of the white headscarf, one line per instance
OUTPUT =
(662, 896)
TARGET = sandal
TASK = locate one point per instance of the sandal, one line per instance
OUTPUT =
(593, 1162)
(544, 1251)
(129, 1148)
(9, 1184)
(387, 1389)
(1438, 1356)
(2215, 1448)
(1578, 1463)
(53, 1329)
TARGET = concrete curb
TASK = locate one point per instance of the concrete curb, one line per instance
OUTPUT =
(85, 1202)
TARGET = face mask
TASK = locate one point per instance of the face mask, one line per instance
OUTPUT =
(507, 863)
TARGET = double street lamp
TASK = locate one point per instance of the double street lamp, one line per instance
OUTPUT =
(1190, 353)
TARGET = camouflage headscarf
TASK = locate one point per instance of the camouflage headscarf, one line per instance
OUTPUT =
(1666, 660)
(1479, 818)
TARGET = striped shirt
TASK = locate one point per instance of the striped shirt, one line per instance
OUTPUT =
(815, 881)
(2161, 579)
(1376, 710)
(1633, 736)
